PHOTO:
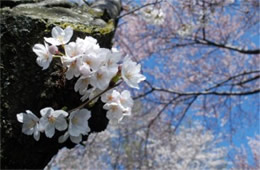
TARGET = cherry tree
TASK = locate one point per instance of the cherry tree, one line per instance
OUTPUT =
(201, 60)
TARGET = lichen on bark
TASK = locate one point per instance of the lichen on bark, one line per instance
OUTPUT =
(25, 86)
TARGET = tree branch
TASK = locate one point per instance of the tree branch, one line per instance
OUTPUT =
(184, 113)
(226, 46)
(207, 91)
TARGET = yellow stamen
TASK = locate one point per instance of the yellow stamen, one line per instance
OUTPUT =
(51, 119)
(99, 76)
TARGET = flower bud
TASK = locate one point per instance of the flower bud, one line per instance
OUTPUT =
(53, 49)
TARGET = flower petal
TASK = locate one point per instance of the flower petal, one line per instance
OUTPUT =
(61, 124)
(36, 134)
(50, 130)
(56, 32)
(58, 113)
(43, 123)
(39, 48)
(32, 116)
(64, 137)
(68, 34)
(76, 139)
(52, 41)
(74, 130)
(27, 130)
(20, 117)
(46, 111)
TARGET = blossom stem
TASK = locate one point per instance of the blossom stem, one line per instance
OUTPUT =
(90, 100)
(61, 53)
(56, 56)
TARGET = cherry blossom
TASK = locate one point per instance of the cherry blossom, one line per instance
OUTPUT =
(110, 96)
(30, 124)
(118, 105)
(101, 78)
(78, 126)
(60, 36)
(90, 44)
(95, 67)
(126, 101)
(82, 85)
(72, 51)
(131, 73)
(91, 61)
(153, 15)
(112, 58)
(52, 119)
(44, 55)
(115, 112)
(79, 122)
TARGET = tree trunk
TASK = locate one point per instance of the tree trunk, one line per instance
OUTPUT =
(24, 86)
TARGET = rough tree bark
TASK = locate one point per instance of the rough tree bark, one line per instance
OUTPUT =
(25, 86)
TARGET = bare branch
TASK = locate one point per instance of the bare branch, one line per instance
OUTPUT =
(226, 46)
(184, 113)
(207, 91)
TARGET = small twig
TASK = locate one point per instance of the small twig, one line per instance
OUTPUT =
(90, 100)
(183, 114)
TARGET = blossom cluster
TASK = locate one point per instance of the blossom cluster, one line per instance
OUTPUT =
(117, 104)
(98, 70)
(153, 15)
(55, 119)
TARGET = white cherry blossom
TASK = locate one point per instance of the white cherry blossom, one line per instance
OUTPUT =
(126, 101)
(113, 57)
(60, 36)
(91, 61)
(118, 105)
(81, 46)
(52, 119)
(131, 73)
(115, 112)
(82, 85)
(90, 44)
(30, 124)
(110, 96)
(79, 122)
(72, 51)
(72, 67)
(96, 67)
(111, 60)
(44, 56)
(101, 78)
(153, 15)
